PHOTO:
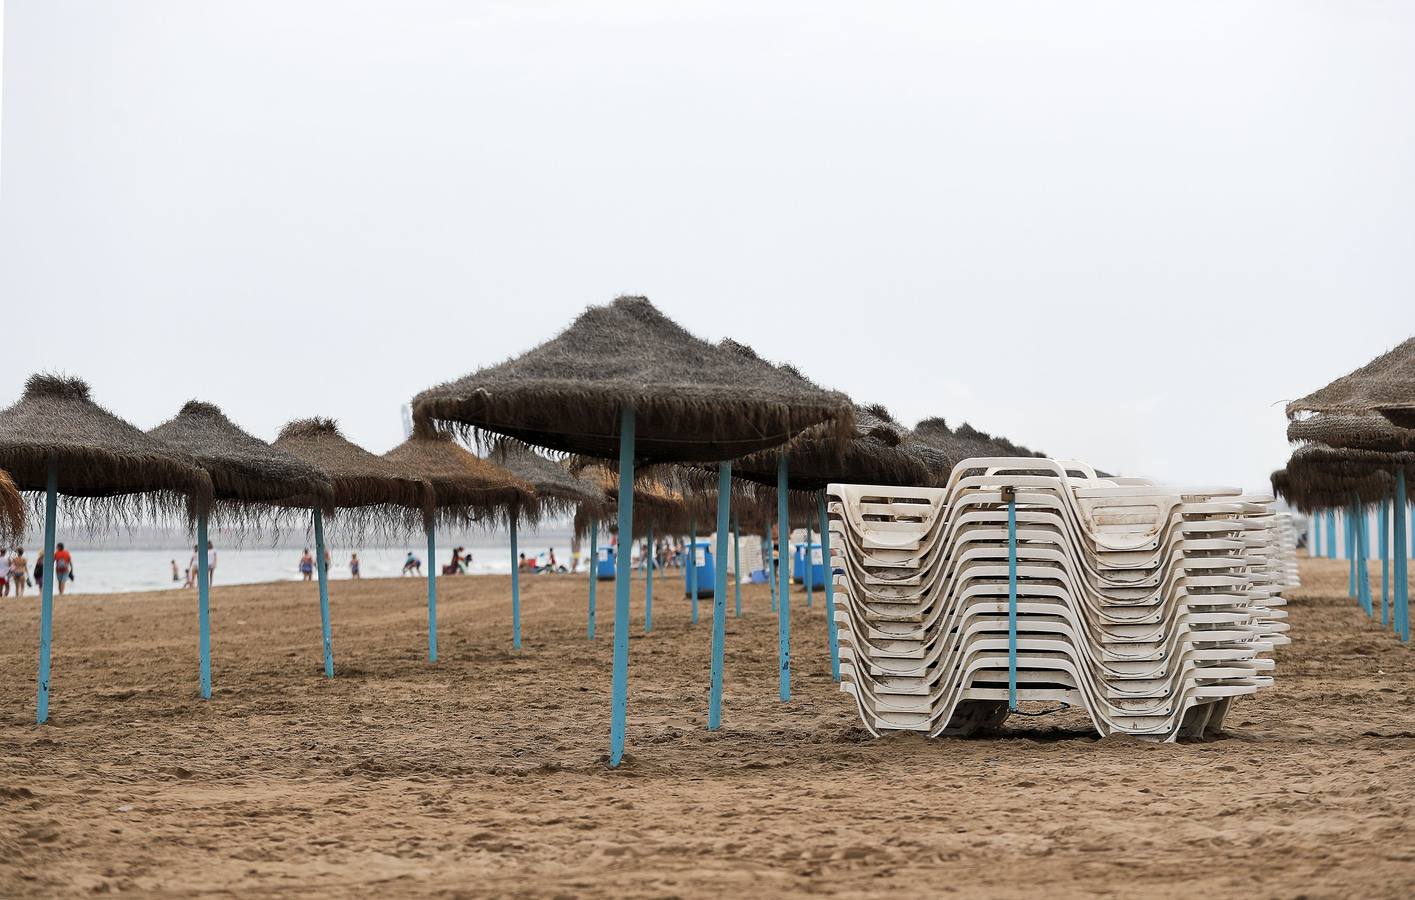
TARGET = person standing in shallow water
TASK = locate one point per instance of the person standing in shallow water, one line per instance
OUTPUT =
(19, 572)
(306, 565)
(354, 565)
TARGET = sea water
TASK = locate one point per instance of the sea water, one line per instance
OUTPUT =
(114, 565)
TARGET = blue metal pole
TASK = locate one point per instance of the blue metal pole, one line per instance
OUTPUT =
(830, 626)
(622, 571)
(1011, 598)
(515, 589)
(431, 592)
(783, 589)
(1363, 574)
(649, 557)
(770, 568)
(809, 570)
(1385, 561)
(203, 605)
(1331, 533)
(594, 571)
(1402, 584)
(323, 571)
(1350, 555)
(736, 568)
(693, 565)
(1314, 537)
(719, 594)
(46, 591)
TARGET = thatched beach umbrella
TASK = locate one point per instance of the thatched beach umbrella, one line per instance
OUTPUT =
(12, 511)
(249, 478)
(953, 445)
(57, 440)
(559, 491)
(368, 491)
(626, 381)
(1385, 386)
(1356, 431)
(466, 488)
(1320, 477)
(659, 505)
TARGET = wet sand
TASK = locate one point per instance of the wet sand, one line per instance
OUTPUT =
(485, 773)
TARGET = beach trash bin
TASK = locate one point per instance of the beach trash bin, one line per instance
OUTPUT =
(604, 566)
(815, 570)
(701, 554)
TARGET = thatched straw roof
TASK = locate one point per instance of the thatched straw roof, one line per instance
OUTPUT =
(113, 469)
(12, 510)
(1385, 385)
(877, 451)
(1357, 431)
(692, 401)
(379, 491)
(246, 472)
(557, 489)
(464, 486)
(656, 504)
(953, 445)
(1320, 477)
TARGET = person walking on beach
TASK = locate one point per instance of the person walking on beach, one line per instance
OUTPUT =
(191, 581)
(19, 572)
(63, 567)
(4, 572)
(354, 566)
(412, 565)
(210, 563)
(306, 565)
(175, 571)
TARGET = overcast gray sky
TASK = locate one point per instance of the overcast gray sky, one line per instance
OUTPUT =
(1116, 231)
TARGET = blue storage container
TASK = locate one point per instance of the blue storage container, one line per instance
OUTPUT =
(707, 572)
(816, 570)
(604, 566)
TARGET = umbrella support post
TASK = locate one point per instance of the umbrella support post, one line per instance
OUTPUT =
(594, 572)
(1384, 542)
(1363, 571)
(204, 605)
(649, 559)
(1010, 495)
(1351, 551)
(719, 594)
(830, 626)
(1314, 536)
(515, 590)
(323, 571)
(808, 569)
(693, 565)
(1331, 534)
(46, 593)
(783, 575)
(431, 594)
(1401, 613)
(736, 569)
(770, 569)
(619, 713)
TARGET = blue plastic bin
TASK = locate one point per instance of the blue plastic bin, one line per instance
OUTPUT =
(707, 572)
(816, 571)
(604, 566)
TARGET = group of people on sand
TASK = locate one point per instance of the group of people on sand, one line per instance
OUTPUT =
(193, 566)
(15, 571)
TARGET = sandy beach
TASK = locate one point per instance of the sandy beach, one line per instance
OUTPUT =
(484, 774)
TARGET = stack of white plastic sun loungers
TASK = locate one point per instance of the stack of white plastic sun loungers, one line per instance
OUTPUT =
(1149, 606)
